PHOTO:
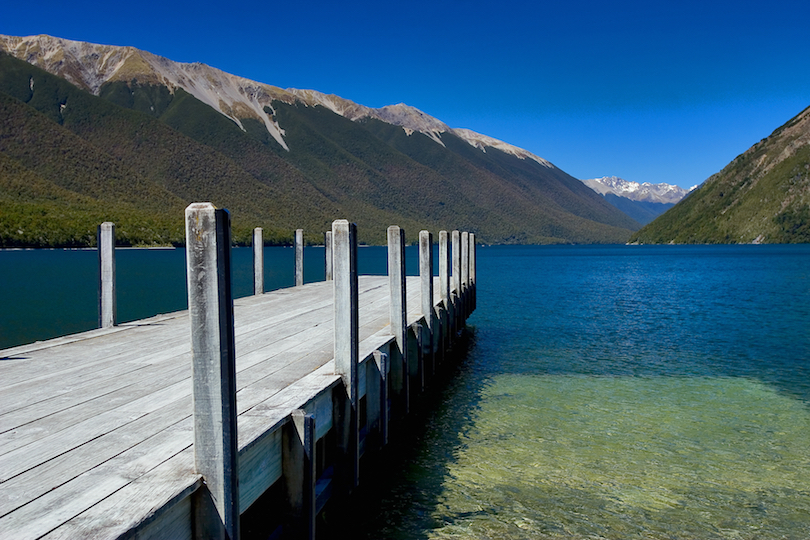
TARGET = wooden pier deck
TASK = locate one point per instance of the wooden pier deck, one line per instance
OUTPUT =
(97, 428)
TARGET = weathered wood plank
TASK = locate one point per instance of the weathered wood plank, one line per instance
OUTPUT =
(157, 505)
(70, 499)
(52, 473)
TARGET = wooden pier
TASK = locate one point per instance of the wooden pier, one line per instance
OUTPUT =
(181, 425)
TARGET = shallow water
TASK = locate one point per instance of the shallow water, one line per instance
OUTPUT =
(621, 392)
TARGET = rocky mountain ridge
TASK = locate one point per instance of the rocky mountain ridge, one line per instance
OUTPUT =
(90, 66)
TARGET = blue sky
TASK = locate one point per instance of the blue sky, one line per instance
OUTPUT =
(656, 91)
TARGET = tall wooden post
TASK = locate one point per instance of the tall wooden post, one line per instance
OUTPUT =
(444, 268)
(347, 345)
(258, 261)
(465, 273)
(210, 301)
(472, 270)
(444, 283)
(299, 257)
(327, 265)
(457, 263)
(426, 282)
(107, 306)
(456, 295)
(398, 308)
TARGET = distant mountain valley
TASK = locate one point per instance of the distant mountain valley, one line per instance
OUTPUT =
(642, 202)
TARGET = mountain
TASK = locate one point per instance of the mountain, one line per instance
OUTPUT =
(762, 196)
(131, 136)
(642, 202)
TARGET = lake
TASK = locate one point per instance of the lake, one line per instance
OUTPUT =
(609, 391)
(627, 392)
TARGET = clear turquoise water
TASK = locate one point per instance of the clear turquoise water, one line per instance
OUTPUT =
(620, 392)
(609, 393)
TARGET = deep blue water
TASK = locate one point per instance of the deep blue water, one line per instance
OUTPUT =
(609, 392)
(50, 293)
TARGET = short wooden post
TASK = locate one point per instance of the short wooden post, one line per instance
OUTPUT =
(107, 306)
(299, 471)
(426, 281)
(398, 307)
(327, 265)
(465, 273)
(258, 261)
(299, 257)
(210, 301)
(382, 361)
(416, 358)
(346, 342)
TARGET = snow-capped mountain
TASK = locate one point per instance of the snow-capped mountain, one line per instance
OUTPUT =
(646, 192)
(89, 66)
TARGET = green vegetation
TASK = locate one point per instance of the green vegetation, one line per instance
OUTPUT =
(138, 154)
(762, 196)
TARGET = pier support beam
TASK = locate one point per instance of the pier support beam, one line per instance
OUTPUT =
(107, 307)
(258, 261)
(378, 395)
(347, 345)
(210, 301)
(426, 282)
(398, 310)
(298, 467)
(299, 257)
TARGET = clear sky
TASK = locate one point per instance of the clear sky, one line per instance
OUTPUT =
(653, 91)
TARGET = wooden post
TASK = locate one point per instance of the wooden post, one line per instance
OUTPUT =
(444, 268)
(299, 257)
(465, 273)
(444, 283)
(398, 307)
(382, 361)
(456, 296)
(472, 269)
(208, 256)
(327, 242)
(426, 281)
(457, 263)
(347, 345)
(299, 470)
(258, 261)
(107, 306)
